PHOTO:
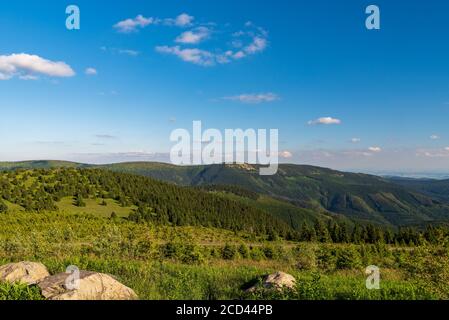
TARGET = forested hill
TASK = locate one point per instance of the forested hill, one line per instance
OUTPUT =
(360, 197)
(154, 201)
(434, 188)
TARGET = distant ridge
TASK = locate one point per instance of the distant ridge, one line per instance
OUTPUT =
(41, 164)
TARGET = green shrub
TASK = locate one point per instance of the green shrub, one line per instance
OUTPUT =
(269, 251)
(229, 252)
(244, 251)
(3, 207)
(19, 292)
(305, 257)
(192, 254)
(348, 258)
(326, 258)
(257, 254)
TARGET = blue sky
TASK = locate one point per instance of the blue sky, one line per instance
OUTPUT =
(382, 95)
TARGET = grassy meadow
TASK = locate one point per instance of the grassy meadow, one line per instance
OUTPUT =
(202, 263)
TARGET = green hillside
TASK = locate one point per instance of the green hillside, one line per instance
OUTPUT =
(435, 188)
(310, 191)
(361, 197)
(144, 198)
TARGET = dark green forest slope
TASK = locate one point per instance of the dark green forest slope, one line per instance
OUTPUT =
(313, 191)
(357, 196)
(438, 189)
(155, 201)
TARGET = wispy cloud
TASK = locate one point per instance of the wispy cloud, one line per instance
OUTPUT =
(375, 149)
(252, 41)
(183, 20)
(433, 153)
(132, 25)
(253, 98)
(28, 67)
(91, 71)
(194, 55)
(356, 140)
(258, 44)
(128, 52)
(324, 121)
(139, 22)
(434, 137)
(194, 36)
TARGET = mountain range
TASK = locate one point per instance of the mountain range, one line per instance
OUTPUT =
(299, 192)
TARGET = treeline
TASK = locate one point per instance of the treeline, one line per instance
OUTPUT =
(157, 202)
(370, 234)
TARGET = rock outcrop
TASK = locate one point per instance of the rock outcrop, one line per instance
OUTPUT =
(23, 272)
(90, 286)
(278, 281)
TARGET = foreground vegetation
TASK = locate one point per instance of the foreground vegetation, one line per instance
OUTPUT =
(161, 262)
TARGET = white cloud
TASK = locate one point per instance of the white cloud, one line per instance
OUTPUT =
(434, 137)
(285, 154)
(254, 98)
(252, 42)
(324, 121)
(131, 25)
(91, 71)
(375, 149)
(258, 44)
(27, 67)
(194, 36)
(356, 140)
(195, 55)
(183, 20)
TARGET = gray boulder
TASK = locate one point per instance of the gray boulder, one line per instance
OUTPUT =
(278, 281)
